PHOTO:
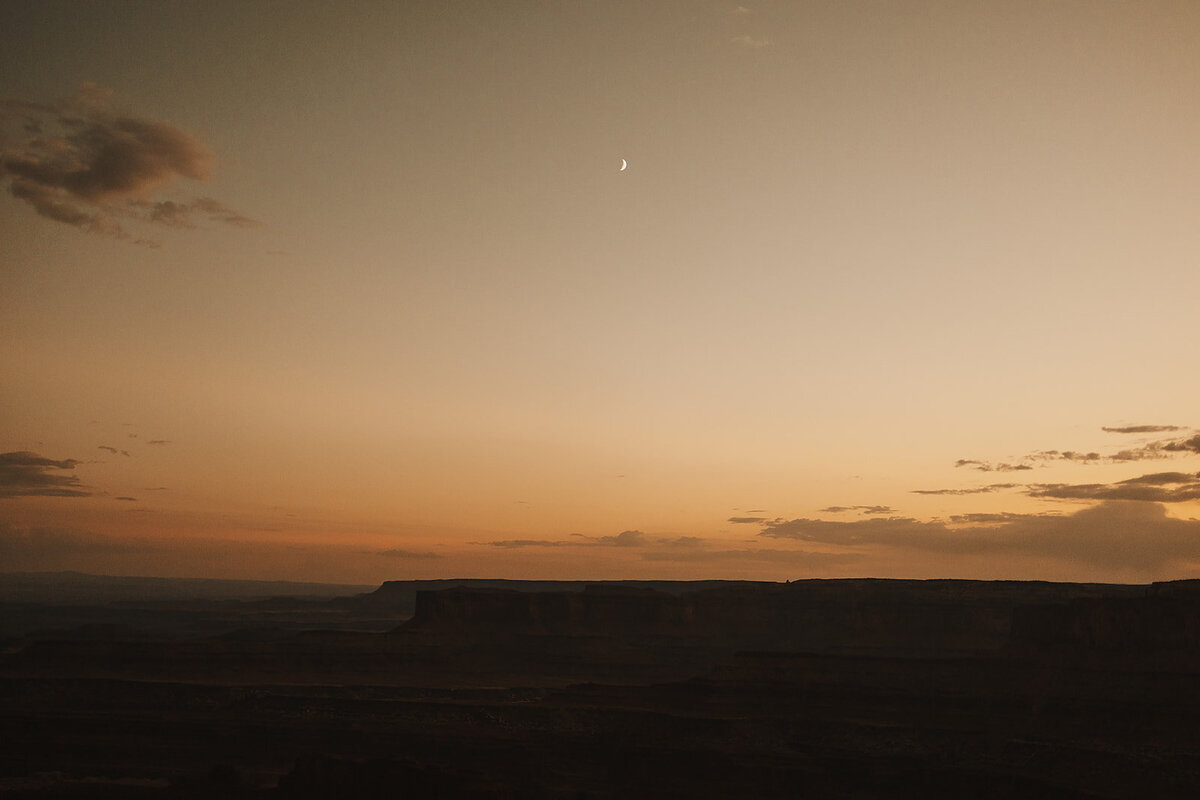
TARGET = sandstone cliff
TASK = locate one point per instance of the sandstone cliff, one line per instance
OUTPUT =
(898, 616)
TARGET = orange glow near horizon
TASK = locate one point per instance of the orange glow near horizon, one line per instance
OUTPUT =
(892, 291)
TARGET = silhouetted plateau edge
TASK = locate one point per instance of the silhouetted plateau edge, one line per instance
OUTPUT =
(564, 689)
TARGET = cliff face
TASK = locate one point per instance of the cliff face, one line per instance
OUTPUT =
(832, 616)
(594, 611)
(1164, 620)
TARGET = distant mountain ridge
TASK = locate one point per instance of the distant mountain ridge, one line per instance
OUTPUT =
(67, 588)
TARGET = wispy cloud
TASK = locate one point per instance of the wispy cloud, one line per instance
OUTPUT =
(1161, 449)
(867, 531)
(79, 163)
(690, 549)
(26, 474)
(113, 450)
(799, 559)
(1065, 455)
(184, 214)
(1114, 534)
(991, 487)
(622, 539)
(1157, 487)
(1164, 448)
(985, 466)
(860, 509)
(987, 518)
(512, 544)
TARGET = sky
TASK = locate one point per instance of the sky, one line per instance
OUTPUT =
(319, 291)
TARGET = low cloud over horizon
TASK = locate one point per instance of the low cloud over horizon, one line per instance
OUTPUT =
(622, 539)
(1161, 449)
(1115, 535)
(1125, 527)
(1124, 531)
(1142, 429)
(991, 487)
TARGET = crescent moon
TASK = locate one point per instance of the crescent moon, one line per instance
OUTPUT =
(624, 164)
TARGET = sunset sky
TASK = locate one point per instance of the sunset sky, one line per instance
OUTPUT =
(353, 292)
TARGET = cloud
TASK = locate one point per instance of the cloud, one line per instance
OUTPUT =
(1184, 445)
(183, 214)
(1157, 487)
(868, 531)
(991, 487)
(25, 474)
(1151, 452)
(1115, 534)
(517, 543)
(984, 466)
(1162, 478)
(1162, 449)
(113, 450)
(399, 553)
(1064, 455)
(863, 509)
(746, 40)
(1159, 450)
(687, 548)
(130, 499)
(78, 163)
(1003, 516)
(745, 520)
(46, 202)
(793, 558)
(158, 441)
(622, 539)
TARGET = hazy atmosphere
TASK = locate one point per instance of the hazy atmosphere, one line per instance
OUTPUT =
(672, 290)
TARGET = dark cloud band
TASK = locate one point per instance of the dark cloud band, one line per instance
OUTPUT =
(26, 474)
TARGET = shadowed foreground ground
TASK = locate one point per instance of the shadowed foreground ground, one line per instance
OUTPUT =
(848, 689)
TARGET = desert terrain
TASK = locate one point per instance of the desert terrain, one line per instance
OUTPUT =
(563, 689)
